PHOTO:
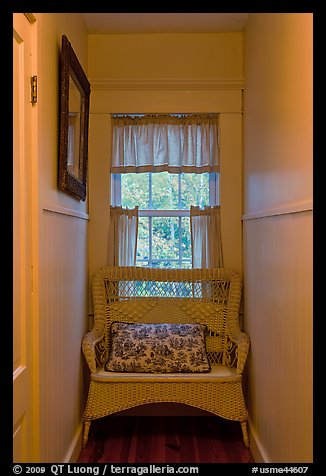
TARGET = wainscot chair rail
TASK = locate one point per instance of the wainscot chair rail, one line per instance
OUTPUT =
(136, 295)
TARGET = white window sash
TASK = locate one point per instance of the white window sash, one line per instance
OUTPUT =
(116, 198)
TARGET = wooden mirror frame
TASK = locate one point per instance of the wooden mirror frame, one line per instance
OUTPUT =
(74, 119)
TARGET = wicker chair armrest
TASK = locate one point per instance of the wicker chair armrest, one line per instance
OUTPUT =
(88, 346)
(243, 343)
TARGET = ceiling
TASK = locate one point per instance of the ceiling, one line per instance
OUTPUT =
(128, 23)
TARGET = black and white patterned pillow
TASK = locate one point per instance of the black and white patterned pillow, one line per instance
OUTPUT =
(157, 348)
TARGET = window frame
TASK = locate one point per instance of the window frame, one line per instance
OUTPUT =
(116, 200)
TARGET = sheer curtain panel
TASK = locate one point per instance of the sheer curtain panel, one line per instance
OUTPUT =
(122, 246)
(206, 237)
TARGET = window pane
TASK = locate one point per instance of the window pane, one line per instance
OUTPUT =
(165, 238)
(143, 239)
(186, 265)
(185, 239)
(194, 190)
(160, 191)
(165, 192)
(135, 190)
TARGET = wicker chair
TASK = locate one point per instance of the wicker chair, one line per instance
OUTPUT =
(152, 295)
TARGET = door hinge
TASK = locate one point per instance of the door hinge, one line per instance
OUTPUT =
(34, 89)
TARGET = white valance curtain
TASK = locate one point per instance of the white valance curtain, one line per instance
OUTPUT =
(206, 237)
(123, 231)
(157, 143)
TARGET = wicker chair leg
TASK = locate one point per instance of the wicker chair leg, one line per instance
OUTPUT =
(245, 433)
(87, 425)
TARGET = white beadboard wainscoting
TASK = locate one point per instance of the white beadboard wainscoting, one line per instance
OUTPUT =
(63, 322)
(278, 290)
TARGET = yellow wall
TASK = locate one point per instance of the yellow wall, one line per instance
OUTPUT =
(61, 257)
(51, 27)
(166, 56)
(277, 231)
(166, 73)
(278, 96)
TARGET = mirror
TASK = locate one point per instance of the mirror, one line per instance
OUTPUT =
(74, 117)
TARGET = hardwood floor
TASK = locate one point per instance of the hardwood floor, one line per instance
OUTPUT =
(139, 439)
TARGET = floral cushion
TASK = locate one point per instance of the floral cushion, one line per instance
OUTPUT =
(157, 348)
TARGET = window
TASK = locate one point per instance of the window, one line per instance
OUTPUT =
(164, 198)
(164, 201)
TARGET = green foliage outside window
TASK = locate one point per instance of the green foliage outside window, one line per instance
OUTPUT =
(168, 191)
